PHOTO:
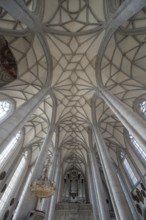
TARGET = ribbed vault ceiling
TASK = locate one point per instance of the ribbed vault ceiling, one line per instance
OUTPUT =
(74, 43)
(72, 34)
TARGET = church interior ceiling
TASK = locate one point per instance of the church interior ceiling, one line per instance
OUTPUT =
(64, 53)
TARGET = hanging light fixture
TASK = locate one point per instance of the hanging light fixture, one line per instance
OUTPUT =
(44, 187)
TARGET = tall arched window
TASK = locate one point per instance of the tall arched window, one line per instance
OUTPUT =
(4, 108)
(13, 182)
(140, 107)
(137, 148)
(128, 169)
(143, 108)
(7, 106)
(9, 149)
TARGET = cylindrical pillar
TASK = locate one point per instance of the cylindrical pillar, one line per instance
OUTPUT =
(121, 208)
(131, 120)
(17, 178)
(91, 191)
(16, 121)
(124, 188)
(45, 202)
(99, 190)
(51, 210)
(25, 207)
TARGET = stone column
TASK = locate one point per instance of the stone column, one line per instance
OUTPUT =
(91, 190)
(64, 188)
(126, 10)
(45, 202)
(9, 170)
(83, 190)
(99, 190)
(14, 188)
(16, 121)
(67, 190)
(131, 120)
(80, 189)
(25, 207)
(53, 200)
(119, 201)
(124, 188)
(60, 188)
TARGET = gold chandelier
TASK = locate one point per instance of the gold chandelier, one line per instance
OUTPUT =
(44, 187)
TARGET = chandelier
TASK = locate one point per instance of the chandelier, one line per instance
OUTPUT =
(44, 187)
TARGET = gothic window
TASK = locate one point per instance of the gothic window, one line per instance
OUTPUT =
(7, 106)
(4, 109)
(140, 107)
(128, 169)
(14, 180)
(10, 148)
(143, 108)
(137, 148)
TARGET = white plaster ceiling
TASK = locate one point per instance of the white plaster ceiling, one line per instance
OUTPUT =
(72, 34)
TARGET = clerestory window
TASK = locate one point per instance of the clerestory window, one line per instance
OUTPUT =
(10, 148)
(142, 106)
(128, 169)
(7, 106)
(4, 109)
(137, 148)
(13, 182)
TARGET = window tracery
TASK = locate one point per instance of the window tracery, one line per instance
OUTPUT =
(10, 148)
(128, 169)
(7, 106)
(142, 106)
(4, 108)
(137, 148)
(14, 180)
